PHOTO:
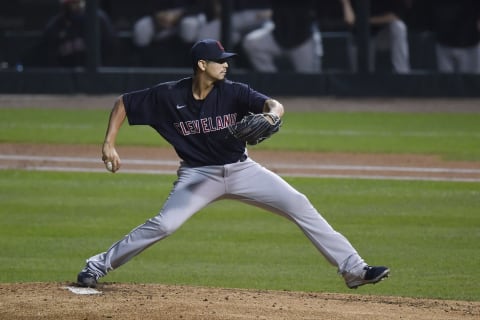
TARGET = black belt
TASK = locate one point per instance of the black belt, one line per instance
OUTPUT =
(243, 158)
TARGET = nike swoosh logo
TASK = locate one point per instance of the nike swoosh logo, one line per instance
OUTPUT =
(180, 106)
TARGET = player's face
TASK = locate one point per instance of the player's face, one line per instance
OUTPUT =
(217, 69)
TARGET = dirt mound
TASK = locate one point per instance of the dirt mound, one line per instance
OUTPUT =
(155, 301)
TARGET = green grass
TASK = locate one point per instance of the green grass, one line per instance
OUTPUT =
(68, 126)
(427, 232)
(452, 136)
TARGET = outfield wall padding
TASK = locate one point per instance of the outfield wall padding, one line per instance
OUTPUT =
(118, 80)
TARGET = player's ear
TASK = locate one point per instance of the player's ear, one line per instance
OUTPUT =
(202, 64)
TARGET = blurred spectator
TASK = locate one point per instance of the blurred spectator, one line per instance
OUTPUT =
(162, 24)
(292, 34)
(64, 39)
(389, 33)
(335, 15)
(177, 24)
(456, 27)
(156, 37)
(206, 23)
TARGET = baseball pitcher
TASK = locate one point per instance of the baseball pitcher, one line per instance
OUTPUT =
(209, 120)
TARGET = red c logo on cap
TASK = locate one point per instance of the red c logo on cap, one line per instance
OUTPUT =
(220, 46)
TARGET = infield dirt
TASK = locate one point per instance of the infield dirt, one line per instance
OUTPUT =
(155, 301)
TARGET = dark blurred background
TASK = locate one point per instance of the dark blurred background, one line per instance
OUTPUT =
(131, 43)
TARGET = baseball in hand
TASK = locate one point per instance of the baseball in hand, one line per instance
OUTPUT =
(109, 166)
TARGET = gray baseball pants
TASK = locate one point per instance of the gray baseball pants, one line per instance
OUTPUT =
(262, 49)
(247, 181)
(458, 60)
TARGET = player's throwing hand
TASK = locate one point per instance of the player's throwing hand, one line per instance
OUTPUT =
(110, 158)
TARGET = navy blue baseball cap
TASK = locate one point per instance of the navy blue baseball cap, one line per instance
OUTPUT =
(210, 50)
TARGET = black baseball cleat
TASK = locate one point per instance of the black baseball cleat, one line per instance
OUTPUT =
(87, 279)
(370, 275)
